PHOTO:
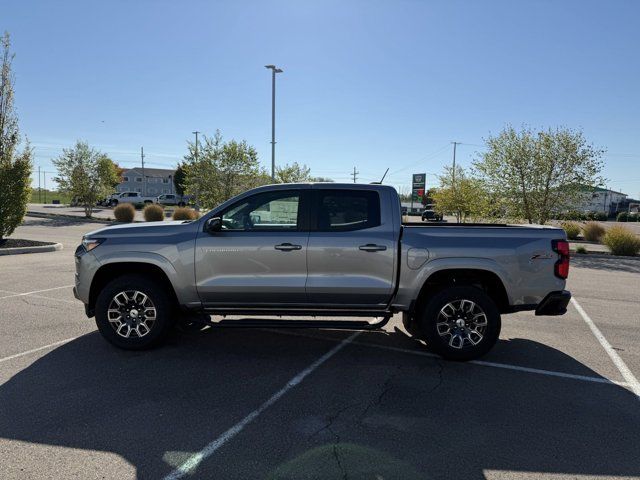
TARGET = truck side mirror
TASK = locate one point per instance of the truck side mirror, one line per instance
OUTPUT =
(214, 225)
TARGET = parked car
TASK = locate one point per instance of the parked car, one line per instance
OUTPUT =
(429, 213)
(132, 197)
(321, 250)
(174, 199)
(105, 202)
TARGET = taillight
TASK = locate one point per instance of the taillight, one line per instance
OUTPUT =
(561, 268)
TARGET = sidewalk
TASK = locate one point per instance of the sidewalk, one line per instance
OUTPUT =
(99, 213)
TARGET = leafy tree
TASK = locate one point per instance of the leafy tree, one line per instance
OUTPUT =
(463, 196)
(86, 174)
(179, 179)
(15, 166)
(293, 173)
(110, 172)
(222, 170)
(538, 173)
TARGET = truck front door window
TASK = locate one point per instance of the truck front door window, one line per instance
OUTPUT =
(272, 211)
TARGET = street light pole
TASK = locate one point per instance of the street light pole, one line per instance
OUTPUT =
(274, 70)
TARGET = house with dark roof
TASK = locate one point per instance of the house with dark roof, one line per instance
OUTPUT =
(154, 181)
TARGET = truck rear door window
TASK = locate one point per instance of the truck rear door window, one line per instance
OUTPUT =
(344, 210)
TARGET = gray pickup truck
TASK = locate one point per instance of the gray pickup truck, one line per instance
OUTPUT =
(334, 251)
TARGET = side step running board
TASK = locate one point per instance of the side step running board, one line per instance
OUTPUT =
(268, 322)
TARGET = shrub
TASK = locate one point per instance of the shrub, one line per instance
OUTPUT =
(124, 212)
(153, 213)
(572, 229)
(184, 213)
(581, 249)
(622, 241)
(633, 217)
(601, 217)
(593, 231)
(622, 217)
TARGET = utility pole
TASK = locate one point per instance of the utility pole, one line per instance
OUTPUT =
(197, 202)
(39, 189)
(354, 174)
(196, 152)
(144, 179)
(274, 70)
(453, 172)
(44, 178)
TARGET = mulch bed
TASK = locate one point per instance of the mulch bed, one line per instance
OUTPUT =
(19, 242)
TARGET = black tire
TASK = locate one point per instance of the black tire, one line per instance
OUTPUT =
(158, 329)
(113, 203)
(181, 204)
(471, 338)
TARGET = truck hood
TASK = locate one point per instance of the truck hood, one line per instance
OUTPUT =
(144, 229)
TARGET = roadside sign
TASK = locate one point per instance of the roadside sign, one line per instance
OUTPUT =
(418, 187)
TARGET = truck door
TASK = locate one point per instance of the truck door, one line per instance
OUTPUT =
(259, 257)
(351, 252)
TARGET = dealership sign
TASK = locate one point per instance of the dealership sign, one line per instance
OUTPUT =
(418, 186)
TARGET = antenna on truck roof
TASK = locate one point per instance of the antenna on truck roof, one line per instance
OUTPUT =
(381, 180)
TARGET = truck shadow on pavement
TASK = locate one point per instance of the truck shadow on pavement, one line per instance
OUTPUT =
(367, 411)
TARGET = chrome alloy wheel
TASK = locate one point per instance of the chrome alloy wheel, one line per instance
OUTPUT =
(131, 314)
(463, 322)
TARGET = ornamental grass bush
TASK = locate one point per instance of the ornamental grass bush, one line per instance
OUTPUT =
(622, 241)
(124, 212)
(153, 213)
(593, 231)
(185, 213)
(572, 229)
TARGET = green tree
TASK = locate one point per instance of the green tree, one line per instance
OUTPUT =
(15, 165)
(109, 172)
(539, 173)
(221, 170)
(293, 173)
(86, 174)
(462, 195)
(179, 179)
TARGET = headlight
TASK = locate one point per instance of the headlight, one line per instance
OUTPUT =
(91, 243)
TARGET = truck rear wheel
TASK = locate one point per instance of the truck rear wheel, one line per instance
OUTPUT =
(460, 323)
(134, 313)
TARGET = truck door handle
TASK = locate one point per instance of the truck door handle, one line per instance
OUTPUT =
(372, 247)
(286, 247)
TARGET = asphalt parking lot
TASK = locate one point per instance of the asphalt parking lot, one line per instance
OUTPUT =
(557, 397)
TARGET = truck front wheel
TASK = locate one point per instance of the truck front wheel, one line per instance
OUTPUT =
(134, 313)
(460, 323)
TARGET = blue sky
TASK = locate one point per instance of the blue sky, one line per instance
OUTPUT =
(370, 84)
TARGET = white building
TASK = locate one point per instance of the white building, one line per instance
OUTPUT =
(156, 181)
(603, 200)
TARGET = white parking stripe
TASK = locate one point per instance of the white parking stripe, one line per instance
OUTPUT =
(506, 366)
(35, 291)
(192, 462)
(28, 352)
(618, 362)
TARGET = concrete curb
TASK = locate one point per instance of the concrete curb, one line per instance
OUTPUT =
(35, 249)
(602, 255)
(75, 218)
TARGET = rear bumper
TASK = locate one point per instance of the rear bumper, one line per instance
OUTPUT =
(554, 303)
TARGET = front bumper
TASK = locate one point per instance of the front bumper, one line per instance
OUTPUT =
(555, 303)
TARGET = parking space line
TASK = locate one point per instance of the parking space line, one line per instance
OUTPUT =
(75, 302)
(34, 292)
(617, 361)
(505, 366)
(192, 462)
(28, 352)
